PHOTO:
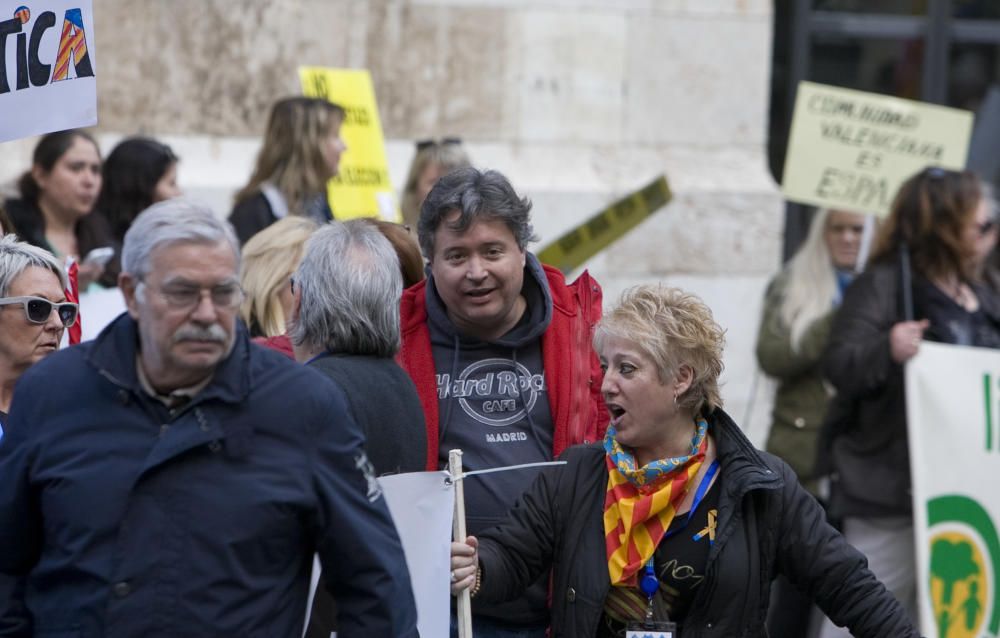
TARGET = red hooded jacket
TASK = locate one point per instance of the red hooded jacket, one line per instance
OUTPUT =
(572, 370)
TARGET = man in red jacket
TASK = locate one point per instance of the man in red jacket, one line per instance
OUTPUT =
(498, 346)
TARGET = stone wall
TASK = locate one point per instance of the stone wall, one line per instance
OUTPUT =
(578, 101)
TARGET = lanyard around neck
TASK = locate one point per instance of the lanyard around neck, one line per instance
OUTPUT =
(649, 583)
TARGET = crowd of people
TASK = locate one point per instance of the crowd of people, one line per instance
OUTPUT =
(177, 474)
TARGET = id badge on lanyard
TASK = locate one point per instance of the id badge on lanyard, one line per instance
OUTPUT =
(651, 629)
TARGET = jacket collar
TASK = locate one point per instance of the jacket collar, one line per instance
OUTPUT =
(742, 463)
(114, 354)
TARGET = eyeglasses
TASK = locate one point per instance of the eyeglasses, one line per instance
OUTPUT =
(38, 310)
(445, 141)
(223, 296)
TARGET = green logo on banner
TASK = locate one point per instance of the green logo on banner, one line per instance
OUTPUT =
(964, 566)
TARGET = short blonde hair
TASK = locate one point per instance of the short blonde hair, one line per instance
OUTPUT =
(269, 259)
(674, 328)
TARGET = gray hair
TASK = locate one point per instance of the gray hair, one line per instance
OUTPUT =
(475, 195)
(351, 285)
(172, 221)
(17, 256)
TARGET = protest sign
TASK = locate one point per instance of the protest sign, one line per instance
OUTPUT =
(421, 504)
(953, 417)
(852, 150)
(47, 73)
(607, 226)
(362, 188)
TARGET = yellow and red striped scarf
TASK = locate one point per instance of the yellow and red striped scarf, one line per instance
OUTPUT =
(638, 509)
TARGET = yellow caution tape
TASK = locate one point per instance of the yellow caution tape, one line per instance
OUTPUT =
(606, 227)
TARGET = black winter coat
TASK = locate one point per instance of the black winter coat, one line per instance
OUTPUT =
(767, 524)
(865, 437)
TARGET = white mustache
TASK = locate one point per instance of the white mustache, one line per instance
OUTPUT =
(194, 333)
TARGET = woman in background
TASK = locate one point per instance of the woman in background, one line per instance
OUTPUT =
(268, 261)
(945, 222)
(798, 311)
(58, 195)
(411, 262)
(432, 160)
(137, 173)
(300, 154)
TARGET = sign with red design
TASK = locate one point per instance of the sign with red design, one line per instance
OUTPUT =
(48, 78)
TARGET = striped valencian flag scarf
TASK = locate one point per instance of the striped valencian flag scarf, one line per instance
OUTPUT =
(641, 502)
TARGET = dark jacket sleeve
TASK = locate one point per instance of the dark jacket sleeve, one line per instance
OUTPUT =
(363, 562)
(858, 360)
(815, 557)
(20, 525)
(251, 216)
(516, 553)
(774, 339)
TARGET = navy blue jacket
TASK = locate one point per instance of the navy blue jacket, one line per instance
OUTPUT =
(120, 518)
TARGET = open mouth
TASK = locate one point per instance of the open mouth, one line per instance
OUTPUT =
(479, 293)
(616, 412)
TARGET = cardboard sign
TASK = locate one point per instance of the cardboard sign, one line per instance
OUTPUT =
(953, 420)
(48, 76)
(607, 226)
(421, 505)
(363, 188)
(852, 150)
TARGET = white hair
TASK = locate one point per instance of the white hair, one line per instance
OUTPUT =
(351, 285)
(812, 282)
(17, 256)
(172, 221)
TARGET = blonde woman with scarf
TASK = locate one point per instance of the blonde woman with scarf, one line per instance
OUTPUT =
(674, 522)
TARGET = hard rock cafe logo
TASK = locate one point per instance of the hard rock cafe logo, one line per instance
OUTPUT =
(964, 565)
(496, 392)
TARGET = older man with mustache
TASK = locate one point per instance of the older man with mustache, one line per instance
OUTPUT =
(172, 479)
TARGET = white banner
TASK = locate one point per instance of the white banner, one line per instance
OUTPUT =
(422, 505)
(47, 69)
(953, 412)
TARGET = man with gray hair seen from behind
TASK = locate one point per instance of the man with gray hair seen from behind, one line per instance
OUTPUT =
(170, 478)
(498, 346)
(34, 312)
(345, 324)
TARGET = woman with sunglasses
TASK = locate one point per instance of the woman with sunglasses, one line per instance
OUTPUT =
(433, 160)
(300, 154)
(943, 222)
(33, 311)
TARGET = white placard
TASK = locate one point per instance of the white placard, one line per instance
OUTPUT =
(421, 504)
(953, 416)
(47, 57)
(99, 307)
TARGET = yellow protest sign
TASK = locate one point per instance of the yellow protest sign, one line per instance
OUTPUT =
(600, 231)
(362, 189)
(852, 150)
